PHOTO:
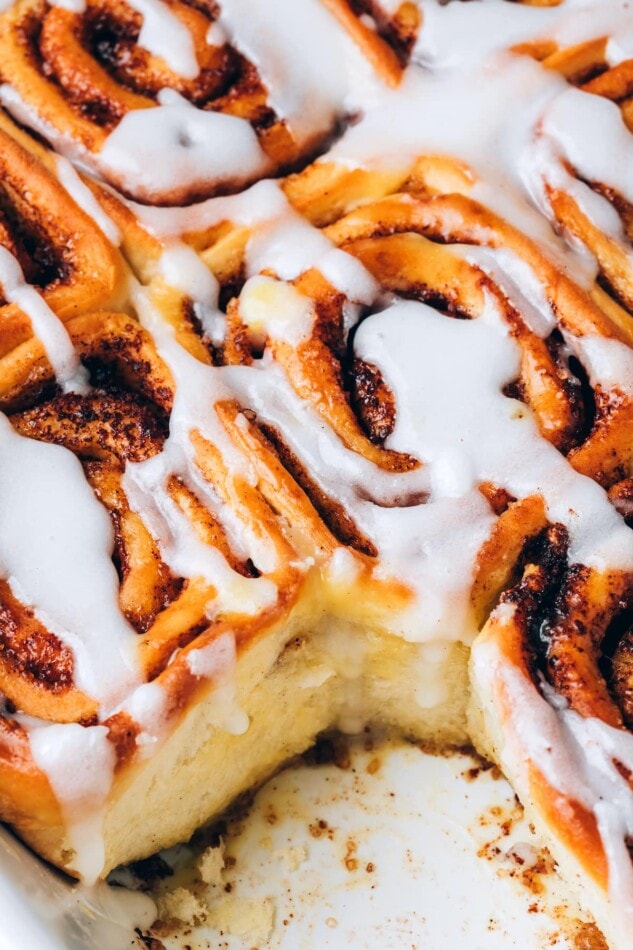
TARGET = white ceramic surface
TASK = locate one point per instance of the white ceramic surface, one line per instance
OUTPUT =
(400, 849)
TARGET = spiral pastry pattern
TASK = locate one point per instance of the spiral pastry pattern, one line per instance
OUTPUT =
(57, 266)
(114, 85)
(346, 445)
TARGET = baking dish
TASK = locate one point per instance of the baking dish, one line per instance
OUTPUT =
(392, 807)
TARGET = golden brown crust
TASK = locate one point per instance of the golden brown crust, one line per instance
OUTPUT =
(401, 226)
(61, 250)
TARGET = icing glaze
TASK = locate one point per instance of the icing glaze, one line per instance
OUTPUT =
(50, 331)
(519, 129)
(163, 34)
(56, 535)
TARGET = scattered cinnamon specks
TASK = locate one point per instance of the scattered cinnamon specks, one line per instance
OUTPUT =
(350, 860)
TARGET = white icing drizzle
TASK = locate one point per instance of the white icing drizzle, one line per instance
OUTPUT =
(609, 363)
(47, 327)
(79, 763)
(25, 113)
(456, 34)
(164, 35)
(566, 124)
(312, 70)
(300, 53)
(430, 360)
(563, 141)
(201, 148)
(55, 551)
(82, 195)
(147, 705)
(276, 309)
(182, 269)
(576, 756)
(518, 282)
(620, 47)
(262, 202)
(216, 35)
(445, 113)
(287, 244)
(75, 6)
(198, 388)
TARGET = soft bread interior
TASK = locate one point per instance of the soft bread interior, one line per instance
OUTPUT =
(291, 688)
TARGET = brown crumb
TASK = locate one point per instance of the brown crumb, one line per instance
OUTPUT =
(152, 943)
(321, 829)
(482, 768)
(349, 860)
(588, 937)
(329, 750)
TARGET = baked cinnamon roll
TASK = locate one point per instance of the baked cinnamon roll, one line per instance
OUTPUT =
(321, 438)
(586, 190)
(226, 92)
(388, 32)
(56, 266)
(550, 676)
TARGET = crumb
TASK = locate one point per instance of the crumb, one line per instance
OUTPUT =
(211, 864)
(482, 767)
(588, 937)
(181, 904)
(320, 829)
(250, 920)
(150, 942)
(349, 860)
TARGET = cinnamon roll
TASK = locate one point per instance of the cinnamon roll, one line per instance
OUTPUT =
(56, 266)
(323, 440)
(229, 93)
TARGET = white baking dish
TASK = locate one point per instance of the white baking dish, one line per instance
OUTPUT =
(396, 865)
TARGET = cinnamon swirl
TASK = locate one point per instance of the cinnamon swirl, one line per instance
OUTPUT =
(120, 85)
(343, 447)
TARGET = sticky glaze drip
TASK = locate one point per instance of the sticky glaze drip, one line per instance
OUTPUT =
(46, 325)
(56, 545)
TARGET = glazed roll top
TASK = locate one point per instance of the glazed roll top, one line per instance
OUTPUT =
(171, 101)
(391, 390)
